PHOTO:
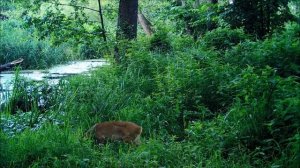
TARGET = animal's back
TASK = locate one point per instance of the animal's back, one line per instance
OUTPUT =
(117, 130)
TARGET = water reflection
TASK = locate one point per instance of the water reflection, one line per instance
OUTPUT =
(52, 76)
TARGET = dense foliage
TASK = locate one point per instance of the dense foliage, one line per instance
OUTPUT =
(222, 99)
(258, 17)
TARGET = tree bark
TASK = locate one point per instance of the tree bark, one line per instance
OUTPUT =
(127, 21)
(127, 24)
(145, 23)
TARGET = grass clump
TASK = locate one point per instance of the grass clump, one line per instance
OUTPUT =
(50, 146)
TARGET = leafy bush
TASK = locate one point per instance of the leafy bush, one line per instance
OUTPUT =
(160, 42)
(256, 17)
(224, 38)
(196, 21)
(281, 52)
(265, 114)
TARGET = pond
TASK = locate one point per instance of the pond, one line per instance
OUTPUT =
(52, 75)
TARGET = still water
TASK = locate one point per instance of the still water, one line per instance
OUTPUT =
(52, 75)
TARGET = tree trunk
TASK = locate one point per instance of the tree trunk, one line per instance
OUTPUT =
(127, 24)
(261, 32)
(146, 25)
(101, 21)
(127, 21)
(268, 17)
(213, 1)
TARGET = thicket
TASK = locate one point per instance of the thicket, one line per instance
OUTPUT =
(19, 42)
(229, 102)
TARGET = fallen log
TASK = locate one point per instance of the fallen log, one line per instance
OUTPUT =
(10, 64)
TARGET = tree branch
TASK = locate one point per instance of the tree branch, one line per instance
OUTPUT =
(61, 4)
(101, 20)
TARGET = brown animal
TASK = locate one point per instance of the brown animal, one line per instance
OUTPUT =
(116, 130)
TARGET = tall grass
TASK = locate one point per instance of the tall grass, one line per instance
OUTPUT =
(19, 42)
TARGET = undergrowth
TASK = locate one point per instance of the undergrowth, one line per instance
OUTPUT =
(197, 107)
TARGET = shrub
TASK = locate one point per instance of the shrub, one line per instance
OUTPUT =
(249, 15)
(196, 21)
(281, 52)
(160, 42)
(265, 114)
(224, 38)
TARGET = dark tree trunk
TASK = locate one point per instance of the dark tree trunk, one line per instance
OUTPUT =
(268, 17)
(102, 22)
(213, 1)
(127, 24)
(127, 21)
(261, 32)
